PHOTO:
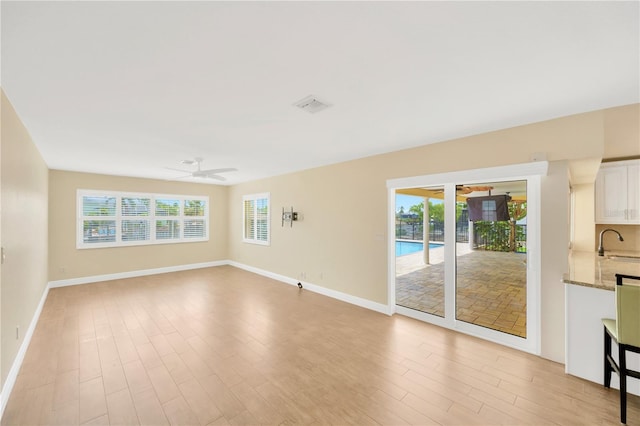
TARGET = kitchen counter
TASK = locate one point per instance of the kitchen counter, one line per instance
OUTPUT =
(590, 270)
(589, 297)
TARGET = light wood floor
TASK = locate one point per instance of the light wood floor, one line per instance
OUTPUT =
(224, 346)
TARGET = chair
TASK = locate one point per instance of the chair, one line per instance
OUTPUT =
(625, 331)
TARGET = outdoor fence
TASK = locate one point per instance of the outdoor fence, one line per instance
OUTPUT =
(436, 232)
(494, 236)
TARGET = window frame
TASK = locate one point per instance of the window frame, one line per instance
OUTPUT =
(256, 198)
(151, 218)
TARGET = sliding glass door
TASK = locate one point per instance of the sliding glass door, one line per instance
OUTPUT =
(466, 253)
(419, 249)
(491, 270)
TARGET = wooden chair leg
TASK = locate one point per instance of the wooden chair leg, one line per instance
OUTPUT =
(607, 353)
(622, 365)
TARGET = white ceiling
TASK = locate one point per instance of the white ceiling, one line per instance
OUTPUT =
(129, 88)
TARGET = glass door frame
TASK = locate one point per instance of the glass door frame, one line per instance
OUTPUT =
(530, 172)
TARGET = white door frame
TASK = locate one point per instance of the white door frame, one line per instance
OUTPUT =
(531, 172)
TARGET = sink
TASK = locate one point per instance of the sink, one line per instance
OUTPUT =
(620, 258)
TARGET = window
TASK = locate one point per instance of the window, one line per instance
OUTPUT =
(98, 219)
(256, 214)
(113, 219)
(169, 226)
(135, 222)
(194, 222)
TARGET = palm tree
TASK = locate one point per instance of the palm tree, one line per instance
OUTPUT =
(517, 211)
(399, 214)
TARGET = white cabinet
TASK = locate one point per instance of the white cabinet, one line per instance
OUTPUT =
(618, 193)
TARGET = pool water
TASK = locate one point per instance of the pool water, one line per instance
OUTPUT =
(408, 247)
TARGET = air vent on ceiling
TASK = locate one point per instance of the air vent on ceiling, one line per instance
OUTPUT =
(311, 104)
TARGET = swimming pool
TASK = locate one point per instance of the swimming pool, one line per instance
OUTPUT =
(408, 247)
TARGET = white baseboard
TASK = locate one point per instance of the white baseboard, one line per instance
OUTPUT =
(17, 362)
(344, 297)
(354, 300)
(132, 274)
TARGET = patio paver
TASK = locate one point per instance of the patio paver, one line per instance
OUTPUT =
(491, 287)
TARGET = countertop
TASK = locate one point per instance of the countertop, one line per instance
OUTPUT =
(590, 270)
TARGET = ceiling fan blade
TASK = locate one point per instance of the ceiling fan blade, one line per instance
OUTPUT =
(214, 171)
(208, 174)
(216, 177)
(178, 170)
(183, 177)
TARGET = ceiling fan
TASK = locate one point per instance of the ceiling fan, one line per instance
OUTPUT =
(464, 189)
(199, 173)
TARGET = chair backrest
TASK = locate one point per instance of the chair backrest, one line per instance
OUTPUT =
(628, 312)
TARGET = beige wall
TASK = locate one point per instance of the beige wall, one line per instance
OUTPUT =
(554, 236)
(66, 262)
(341, 242)
(630, 233)
(583, 217)
(343, 233)
(621, 140)
(622, 132)
(24, 190)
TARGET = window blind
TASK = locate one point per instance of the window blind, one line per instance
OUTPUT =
(112, 219)
(256, 218)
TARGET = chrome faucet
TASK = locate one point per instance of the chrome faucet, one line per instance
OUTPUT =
(600, 247)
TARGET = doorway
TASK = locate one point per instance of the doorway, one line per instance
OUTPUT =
(491, 271)
(419, 256)
(466, 252)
